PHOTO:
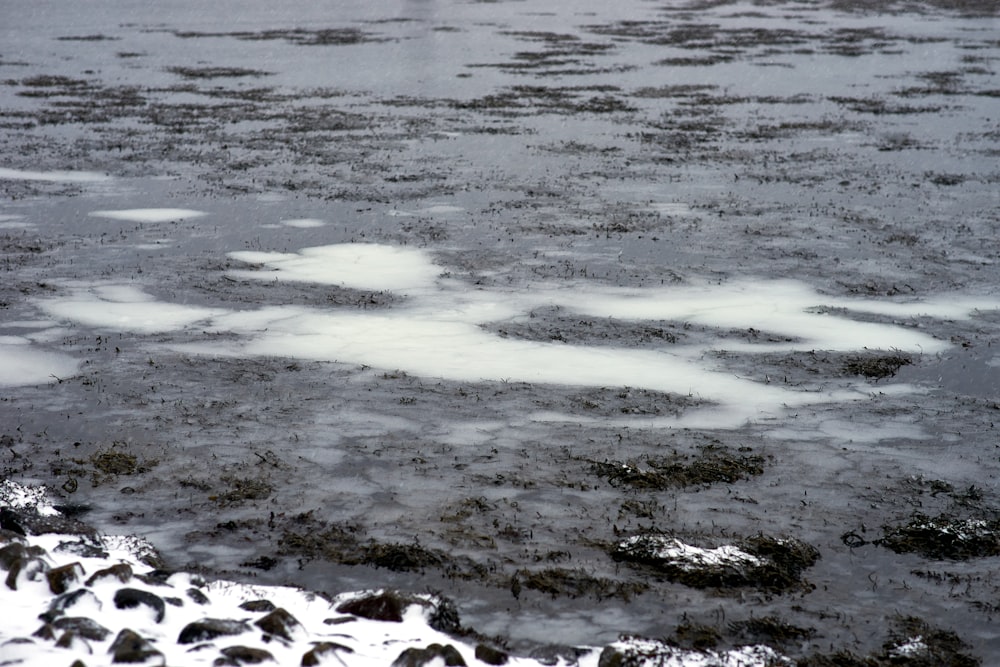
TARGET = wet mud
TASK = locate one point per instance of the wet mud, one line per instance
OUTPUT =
(851, 146)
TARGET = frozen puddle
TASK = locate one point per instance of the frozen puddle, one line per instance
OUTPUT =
(435, 328)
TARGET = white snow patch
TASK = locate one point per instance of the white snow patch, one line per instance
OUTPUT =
(22, 496)
(689, 557)
(149, 214)
(303, 223)
(22, 366)
(124, 308)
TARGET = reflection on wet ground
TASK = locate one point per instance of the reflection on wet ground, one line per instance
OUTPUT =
(474, 291)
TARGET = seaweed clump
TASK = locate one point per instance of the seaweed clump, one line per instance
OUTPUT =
(943, 537)
(762, 562)
(711, 466)
(877, 367)
(574, 583)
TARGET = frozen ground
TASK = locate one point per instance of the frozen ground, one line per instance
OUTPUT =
(461, 297)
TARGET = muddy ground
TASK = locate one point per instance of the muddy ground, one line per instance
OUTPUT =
(849, 145)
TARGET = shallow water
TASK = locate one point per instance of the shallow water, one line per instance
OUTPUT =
(447, 257)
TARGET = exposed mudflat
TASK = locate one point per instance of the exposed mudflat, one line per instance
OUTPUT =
(523, 303)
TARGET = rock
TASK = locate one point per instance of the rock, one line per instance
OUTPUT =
(25, 569)
(210, 628)
(62, 578)
(174, 602)
(279, 623)
(73, 641)
(122, 572)
(79, 597)
(243, 655)
(258, 605)
(417, 657)
(386, 606)
(17, 551)
(129, 647)
(47, 631)
(85, 548)
(318, 653)
(490, 655)
(85, 627)
(129, 598)
(197, 596)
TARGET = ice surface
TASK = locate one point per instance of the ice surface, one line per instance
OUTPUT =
(53, 176)
(119, 307)
(149, 214)
(21, 365)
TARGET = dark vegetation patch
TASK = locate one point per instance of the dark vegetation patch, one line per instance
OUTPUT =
(242, 489)
(878, 106)
(561, 582)
(912, 642)
(712, 465)
(876, 367)
(770, 630)
(944, 537)
(551, 324)
(761, 562)
(534, 100)
(345, 544)
(216, 72)
(297, 36)
(88, 38)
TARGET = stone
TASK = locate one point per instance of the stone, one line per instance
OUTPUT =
(378, 607)
(17, 551)
(122, 572)
(85, 627)
(73, 641)
(490, 655)
(210, 628)
(258, 605)
(197, 596)
(243, 655)
(62, 578)
(25, 569)
(59, 605)
(318, 653)
(129, 647)
(129, 598)
(278, 623)
(418, 657)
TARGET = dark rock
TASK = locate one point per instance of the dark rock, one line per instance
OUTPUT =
(59, 605)
(129, 647)
(156, 577)
(78, 663)
(554, 654)
(129, 598)
(318, 653)
(243, 655)
(122, 572)
(61, 578)
(72, 640)
(386, 606)
(174, 602)
(278, 623)
(340, 620)
(25, 569)
(85, 627)
(258, 605)
(210, 628)
(9, 520)
(47, 631)
(490, 655)
(611, 657)
(417, 657)
(197, 596)
(10, 537)
(17, 551)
